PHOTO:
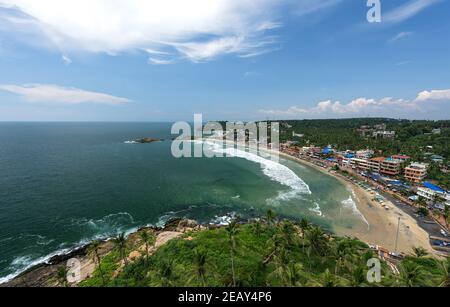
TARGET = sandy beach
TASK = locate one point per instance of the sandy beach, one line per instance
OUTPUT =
(383, 223)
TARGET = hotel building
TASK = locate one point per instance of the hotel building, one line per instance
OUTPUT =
(416, 172)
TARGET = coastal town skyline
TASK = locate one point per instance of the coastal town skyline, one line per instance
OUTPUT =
(280, 60)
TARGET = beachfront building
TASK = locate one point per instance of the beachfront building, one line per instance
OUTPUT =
(364, 154)
(416, 172)
(362, 164)
(434, 193)
(391, 167)
(375, 164)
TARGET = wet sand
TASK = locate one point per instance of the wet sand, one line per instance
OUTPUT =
(383, 224)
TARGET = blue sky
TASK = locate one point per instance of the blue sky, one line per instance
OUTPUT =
(147, 61)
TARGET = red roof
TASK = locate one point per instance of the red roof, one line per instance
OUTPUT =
(400, 157)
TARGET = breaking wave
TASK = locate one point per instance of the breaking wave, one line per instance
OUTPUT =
(351, 205)
(274, 170)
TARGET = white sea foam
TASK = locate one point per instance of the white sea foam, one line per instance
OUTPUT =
(316, 209)
(350, 204)
(130, 142)
(274, 170)
(23, 263)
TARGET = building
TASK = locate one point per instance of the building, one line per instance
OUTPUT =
(432, 192)
(384, 134)
(380, 127)
(375, 164)
(391, 167)
(437, 159)
(364, 154)
(436, 131)
(401, 158)
(362, 164)
(416, 172)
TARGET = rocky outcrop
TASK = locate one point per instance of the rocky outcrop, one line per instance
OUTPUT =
(148, 140)
(45, 275)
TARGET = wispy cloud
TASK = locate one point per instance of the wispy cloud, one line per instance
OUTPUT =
(400, 36)
(311, 6)
(424, 102)
(402, 63)
(197, 30)
(54, 94)
(407, 11)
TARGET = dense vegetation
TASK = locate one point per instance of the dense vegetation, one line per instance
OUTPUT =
(263, 254)
(412, 137)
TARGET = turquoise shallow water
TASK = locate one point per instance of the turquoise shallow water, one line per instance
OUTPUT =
(64, 184)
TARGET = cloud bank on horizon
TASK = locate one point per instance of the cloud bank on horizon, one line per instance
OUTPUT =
(54, 94)
(425, 103)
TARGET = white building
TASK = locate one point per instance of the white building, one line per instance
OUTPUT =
(430, 192)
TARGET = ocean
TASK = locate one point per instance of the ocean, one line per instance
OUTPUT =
(63, 185)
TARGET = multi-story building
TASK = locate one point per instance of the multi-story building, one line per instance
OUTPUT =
(416, 172)
(364, 154)
(434, 193)
(401, 158)
(391, 167)
(375, 164)
(362, 164)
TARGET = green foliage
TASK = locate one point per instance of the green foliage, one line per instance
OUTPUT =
(412, 138)
(258, 255)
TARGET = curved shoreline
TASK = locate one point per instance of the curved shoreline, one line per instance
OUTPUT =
(383, 223)
(381, 231)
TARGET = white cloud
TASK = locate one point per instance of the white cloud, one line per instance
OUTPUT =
(400, 36)
(53, 94)
(424, 104)
(434, 95)
(66, 60)
(198, 30)
(407, 11)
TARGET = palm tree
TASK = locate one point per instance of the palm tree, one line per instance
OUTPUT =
(201, 259)
(62, 275)
(420, 252)
(270, 216)
(120, 243)
(304, 226)
(358, 277)
(446, 215)
(410, 274)
(166, 271)
(287, 231)
(444, 270)
(294, 274)
(93, 251)
(232, 231)
(257, 229)
(148, 239)
(317, 240)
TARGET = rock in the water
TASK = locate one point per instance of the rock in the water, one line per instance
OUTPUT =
(148, 140)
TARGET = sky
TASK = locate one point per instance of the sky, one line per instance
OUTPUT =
(149, 60)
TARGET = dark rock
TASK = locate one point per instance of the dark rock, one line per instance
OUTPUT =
(148, 140)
